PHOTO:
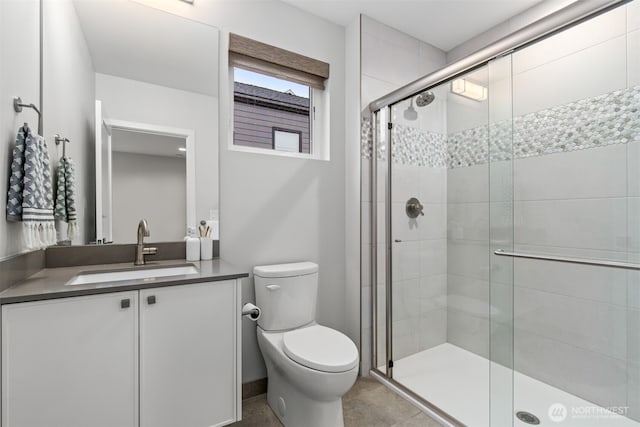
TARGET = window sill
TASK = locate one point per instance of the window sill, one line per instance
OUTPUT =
(266, 152)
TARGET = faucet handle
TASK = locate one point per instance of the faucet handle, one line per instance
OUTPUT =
(149, 251)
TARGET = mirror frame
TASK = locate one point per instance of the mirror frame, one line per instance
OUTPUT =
(187, 134)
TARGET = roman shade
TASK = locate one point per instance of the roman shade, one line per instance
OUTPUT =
(266, 59)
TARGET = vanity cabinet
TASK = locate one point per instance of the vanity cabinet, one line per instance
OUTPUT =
(157, 357)
(187, 355)
(71, 362)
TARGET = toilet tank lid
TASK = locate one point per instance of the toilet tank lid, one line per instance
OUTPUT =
(286, 270)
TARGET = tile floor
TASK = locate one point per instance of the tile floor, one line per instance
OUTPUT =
(367, 404)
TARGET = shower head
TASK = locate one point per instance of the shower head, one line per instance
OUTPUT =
(425, 98)
(410, 113)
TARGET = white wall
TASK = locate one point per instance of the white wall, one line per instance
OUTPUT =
(276, 209)
(69, 91)
(352, 192)
(151, 187)
(19, 44)
(136, 101)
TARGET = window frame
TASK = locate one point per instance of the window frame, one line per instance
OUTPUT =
(319, 141)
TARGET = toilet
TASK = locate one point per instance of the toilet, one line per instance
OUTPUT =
(309, 366)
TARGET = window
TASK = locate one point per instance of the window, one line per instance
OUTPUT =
(279, 99)
(287, 140)
(271, 113)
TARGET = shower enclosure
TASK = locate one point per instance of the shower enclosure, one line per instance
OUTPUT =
(506, 229)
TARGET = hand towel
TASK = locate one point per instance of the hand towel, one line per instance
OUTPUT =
(30, 193)
(65, 209)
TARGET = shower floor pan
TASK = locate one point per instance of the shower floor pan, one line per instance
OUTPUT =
(458, 382)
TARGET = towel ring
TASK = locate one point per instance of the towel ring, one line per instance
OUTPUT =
(18, 106)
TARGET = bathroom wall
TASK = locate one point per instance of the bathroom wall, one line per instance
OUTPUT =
(390, 59)
(66, 109)
(150, 187)
(69, 93)
(353, 309)
(136, 101)
(277, 209)
(19, 44)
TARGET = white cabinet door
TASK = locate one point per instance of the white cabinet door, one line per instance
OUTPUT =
(71, 362)
(189, 355)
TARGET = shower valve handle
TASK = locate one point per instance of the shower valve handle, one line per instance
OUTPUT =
(414, 208)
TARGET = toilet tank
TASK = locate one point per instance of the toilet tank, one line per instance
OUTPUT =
(286, 294)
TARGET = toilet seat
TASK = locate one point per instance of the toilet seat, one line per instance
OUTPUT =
(320, 348)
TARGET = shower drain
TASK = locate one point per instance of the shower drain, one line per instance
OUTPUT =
(527, 417)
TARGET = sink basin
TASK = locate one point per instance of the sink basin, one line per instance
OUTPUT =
(133, 274)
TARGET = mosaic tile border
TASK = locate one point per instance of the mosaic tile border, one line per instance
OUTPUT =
(366, 138)
(366, 141)
(612, 118)
(417, 147)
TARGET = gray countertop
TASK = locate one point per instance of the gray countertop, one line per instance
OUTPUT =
(50, 283)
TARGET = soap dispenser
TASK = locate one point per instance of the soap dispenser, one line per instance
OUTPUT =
(193, 245)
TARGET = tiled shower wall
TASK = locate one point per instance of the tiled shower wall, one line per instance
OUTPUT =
(389, 60)
(419, 257)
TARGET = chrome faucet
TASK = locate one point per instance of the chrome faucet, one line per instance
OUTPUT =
(141, 251)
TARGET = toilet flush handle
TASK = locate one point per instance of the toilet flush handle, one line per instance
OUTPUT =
(273, 287)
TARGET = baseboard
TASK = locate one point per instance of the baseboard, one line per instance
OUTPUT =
(254, 388)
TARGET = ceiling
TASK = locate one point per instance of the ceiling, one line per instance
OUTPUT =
(139, 42)
(125, 141)
(442, 23)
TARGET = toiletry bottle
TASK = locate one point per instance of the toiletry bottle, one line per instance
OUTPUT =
(193, 245)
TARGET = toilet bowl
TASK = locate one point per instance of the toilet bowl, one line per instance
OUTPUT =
(309, 366)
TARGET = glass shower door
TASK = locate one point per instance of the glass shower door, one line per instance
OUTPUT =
(500, 160)
(445, 307)
(506, 197)
(575, 130)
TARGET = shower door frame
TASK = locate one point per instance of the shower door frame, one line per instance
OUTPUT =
(380, 111)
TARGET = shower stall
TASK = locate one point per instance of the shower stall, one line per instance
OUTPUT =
(506, 228)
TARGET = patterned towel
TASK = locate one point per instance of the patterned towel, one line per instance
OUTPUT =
(30, 195)
(66, 197)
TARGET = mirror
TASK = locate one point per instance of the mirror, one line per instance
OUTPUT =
(135, 91)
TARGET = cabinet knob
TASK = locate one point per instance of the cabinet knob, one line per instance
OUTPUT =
(125, 303)
(151, 299)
